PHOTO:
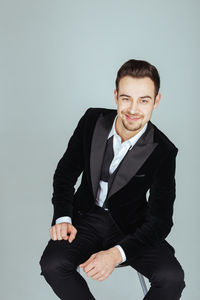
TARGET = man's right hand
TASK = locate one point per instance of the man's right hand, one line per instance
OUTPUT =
(60, 232)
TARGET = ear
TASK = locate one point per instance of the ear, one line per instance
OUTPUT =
(157, 100)
(115, 94)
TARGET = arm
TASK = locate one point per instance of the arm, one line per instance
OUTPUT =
(69, 220)
(67, 172)
(158, 221)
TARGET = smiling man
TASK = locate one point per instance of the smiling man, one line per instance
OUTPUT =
(109, 221)
(135, 105)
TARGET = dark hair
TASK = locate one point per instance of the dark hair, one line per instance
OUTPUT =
(139, 69)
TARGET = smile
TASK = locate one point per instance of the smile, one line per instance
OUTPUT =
(132, 119)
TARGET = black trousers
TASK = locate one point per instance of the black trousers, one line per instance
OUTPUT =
(97, 231)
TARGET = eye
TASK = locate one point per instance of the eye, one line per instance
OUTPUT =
(144, 101)
(126, 99)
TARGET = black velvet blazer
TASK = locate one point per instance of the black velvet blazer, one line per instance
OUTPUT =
(149, 165)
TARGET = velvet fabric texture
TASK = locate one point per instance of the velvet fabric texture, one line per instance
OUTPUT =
(149, 165)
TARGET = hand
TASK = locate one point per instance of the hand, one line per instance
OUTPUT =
(101, 264)
(60, 231)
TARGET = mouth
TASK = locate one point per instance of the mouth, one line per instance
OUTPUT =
(129, 118)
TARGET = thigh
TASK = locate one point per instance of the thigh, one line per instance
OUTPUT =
(158, 262)
(63, 252)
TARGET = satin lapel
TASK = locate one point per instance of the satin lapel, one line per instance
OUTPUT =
(132, 161)
(99, 139)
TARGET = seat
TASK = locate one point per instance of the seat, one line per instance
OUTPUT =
(141, 278)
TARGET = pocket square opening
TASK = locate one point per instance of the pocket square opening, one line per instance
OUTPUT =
(140, 175)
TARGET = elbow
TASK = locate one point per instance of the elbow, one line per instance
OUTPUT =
(164, 228)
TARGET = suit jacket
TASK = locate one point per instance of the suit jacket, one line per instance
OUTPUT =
(148, 166)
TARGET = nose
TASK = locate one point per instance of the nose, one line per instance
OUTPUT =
(133, 108)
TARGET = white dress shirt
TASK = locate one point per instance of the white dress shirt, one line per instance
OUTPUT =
(120, 150)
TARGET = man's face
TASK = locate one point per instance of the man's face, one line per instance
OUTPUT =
(135, 103)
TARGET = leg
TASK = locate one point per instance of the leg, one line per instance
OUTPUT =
(60, 260)
(163, 270)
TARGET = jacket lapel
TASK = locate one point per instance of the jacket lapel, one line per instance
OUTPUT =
(132, 161)
(129, 165)
(98, 145)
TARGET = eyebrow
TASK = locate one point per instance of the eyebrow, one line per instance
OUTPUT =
(124, 95)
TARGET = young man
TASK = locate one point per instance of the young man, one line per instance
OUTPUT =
(109, 221)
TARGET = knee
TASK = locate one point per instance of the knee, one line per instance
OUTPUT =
(176, 282)
(48, 263)
(52, 262)
(171, 279)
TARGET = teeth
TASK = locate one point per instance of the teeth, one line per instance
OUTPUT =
(133, 117)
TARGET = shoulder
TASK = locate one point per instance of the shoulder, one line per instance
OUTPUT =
(92, 113)
(99, 110)
(164, 140)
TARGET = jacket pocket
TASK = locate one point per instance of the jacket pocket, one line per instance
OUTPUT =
(140, 175)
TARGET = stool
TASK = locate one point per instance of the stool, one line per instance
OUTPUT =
(141, 278)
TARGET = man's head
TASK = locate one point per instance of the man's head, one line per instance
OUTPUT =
(136, 95)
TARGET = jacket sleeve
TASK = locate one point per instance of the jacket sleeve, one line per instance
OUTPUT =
(67, 172)
(158, 220)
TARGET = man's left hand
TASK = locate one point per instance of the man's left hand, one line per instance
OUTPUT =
(101, 264)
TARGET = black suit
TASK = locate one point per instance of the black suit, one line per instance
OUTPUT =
(149, 165)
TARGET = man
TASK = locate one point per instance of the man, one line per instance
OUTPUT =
(108, 221)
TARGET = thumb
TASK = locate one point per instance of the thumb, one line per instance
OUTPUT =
(88, 260)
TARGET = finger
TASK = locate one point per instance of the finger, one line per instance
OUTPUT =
(74, 232)
(54, 233)
(89, 267)
(93, 273)
(85, 263)
(98, 276)
(101, 278)
(50, 232)
(64, 227)
(72, 237)
(58, 229)
(88, 260)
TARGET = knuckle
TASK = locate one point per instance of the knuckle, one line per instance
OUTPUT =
(100, 279)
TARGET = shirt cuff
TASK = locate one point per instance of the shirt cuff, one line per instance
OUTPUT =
(64, 219)
(122, 253)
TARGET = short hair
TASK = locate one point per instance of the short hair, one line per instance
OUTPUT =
(139, 69)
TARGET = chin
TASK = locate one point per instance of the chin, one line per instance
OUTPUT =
(131, 127)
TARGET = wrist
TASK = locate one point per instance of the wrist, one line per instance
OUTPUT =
(116, 255)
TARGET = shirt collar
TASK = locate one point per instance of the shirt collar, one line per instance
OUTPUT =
(130, 141)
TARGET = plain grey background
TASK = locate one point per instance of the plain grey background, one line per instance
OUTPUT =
(57, 59)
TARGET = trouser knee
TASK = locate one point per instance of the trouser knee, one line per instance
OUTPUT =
(171, 280)
(51, 264)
